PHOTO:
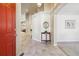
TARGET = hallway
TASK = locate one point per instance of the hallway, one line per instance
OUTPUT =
(33, 23)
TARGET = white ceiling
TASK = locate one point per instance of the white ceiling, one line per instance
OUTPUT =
(70, 8)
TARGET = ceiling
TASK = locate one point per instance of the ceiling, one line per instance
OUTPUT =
(33, 8)
(29, 7)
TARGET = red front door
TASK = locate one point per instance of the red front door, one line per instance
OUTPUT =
(7, 29)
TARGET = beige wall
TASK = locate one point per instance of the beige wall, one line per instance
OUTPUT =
(28, 24)
(18, 33)
(52, 26)
(20, 38)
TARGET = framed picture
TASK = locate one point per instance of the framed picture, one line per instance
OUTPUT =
(69, 24)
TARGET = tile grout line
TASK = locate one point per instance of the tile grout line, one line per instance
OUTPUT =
(63, 51)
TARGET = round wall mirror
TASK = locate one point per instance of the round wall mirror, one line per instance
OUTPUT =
(45, 24)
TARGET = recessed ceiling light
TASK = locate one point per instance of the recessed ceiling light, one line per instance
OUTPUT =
(39, 4)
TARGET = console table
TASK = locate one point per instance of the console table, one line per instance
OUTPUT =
(46, 36)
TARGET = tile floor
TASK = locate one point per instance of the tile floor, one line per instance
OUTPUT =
(35, 48)
(70, 48)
